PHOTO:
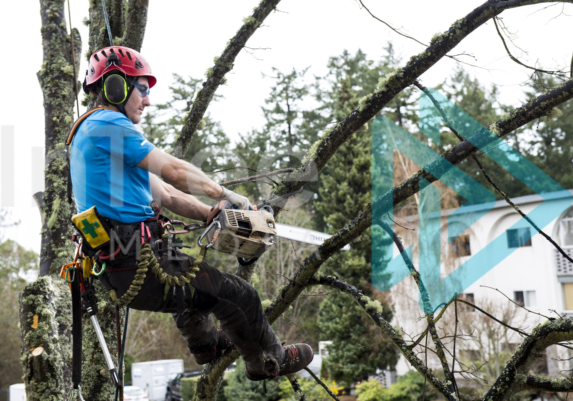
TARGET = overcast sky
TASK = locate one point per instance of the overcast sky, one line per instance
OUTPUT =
(183, 37)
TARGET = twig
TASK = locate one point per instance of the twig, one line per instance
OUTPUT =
(455, 335)
(414, 39)
(435, 321)
(510, 327)
(425, 378)
(399, 225)
(322, 384)
(450, 379)
(555, 73)
(296, 387)
(389, 26)
(488, 178)
(256, 177)
(519, 305)
(387, 329)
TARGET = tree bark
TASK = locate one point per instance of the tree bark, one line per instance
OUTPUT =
(216, 74)
(45, 305)
(57, 82)
(45, 313)
(135, 25)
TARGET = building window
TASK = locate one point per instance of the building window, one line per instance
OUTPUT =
(518, 237)
(468, 297)
(460, 245)
(568, 293)
(525, 298)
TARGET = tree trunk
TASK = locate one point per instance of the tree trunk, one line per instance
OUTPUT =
(45, 310)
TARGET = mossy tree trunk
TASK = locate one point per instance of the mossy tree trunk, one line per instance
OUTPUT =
(45, 305)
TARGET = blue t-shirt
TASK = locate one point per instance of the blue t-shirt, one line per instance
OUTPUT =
(104, 156)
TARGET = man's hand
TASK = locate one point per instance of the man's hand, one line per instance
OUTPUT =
(238, 200)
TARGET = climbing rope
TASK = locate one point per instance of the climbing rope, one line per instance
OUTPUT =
(107, 22)
(148, 261)
(74, 61)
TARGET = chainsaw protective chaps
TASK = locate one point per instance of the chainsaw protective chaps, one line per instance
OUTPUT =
(233, 301)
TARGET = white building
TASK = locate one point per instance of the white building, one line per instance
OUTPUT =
(534, 275)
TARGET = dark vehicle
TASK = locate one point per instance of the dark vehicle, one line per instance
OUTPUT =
(174, 385)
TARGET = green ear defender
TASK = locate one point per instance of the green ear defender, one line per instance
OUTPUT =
(115, 89)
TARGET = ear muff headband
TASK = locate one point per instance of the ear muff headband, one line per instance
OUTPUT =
(115, 89)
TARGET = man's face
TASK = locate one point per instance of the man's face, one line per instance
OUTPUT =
(137, 102)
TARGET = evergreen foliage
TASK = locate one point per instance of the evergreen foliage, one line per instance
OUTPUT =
(409, 387)
(551, 144)
(345, 187)
(239, 388)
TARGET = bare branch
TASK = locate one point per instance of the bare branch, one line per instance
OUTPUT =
(296, 387)
(450, 378)
(453, 57)
(514, 377)
(511, 56)
(216, 74)
(488, 178)
(324, 386)
(390, 86)
(515, 303)
(390, 26)
(394, 336)
(547, 384)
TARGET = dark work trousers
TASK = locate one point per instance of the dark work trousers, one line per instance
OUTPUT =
(233, 301)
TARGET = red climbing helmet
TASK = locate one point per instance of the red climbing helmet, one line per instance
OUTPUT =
(117, 58)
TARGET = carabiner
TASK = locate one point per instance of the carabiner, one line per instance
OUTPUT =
(215, 236)
(96, 273)
(69, 281)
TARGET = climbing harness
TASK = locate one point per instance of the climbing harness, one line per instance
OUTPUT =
(82, 288)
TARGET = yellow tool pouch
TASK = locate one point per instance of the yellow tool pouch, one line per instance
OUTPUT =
(92, 229)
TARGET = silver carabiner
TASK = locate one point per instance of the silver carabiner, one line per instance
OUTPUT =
(215, 236)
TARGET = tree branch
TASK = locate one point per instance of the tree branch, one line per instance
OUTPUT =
(324, 386)
(135, 25)
(487, 177)
(370, 309)
(389, 86)
(513, 378)
(216, 74)
(556, 73)
(299, 394)
(450, 379)
(547, 383)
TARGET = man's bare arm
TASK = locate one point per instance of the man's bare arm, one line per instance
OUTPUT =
(176, 201)
(182, 175)
(189, 179)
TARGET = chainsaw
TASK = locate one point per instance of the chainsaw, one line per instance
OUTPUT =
(249, 233)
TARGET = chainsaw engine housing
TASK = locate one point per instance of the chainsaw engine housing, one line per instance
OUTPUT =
(244, 233)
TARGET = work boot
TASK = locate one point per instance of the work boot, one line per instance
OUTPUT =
(222, 344)
(296, 357)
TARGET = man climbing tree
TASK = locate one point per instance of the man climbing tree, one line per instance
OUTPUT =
(111, 164)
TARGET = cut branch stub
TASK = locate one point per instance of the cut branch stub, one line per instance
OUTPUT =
(216, 74)
(45, 307)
